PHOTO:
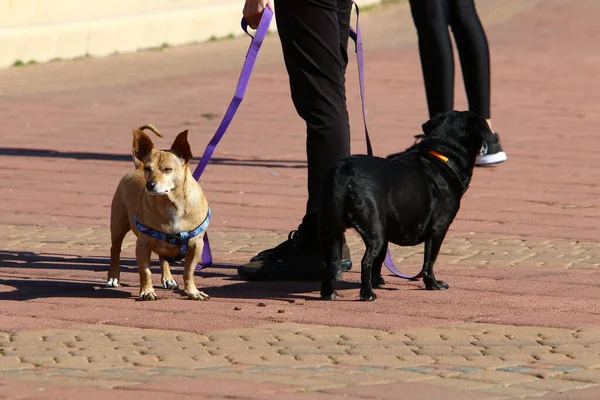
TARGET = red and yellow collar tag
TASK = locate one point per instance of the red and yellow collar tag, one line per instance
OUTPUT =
(438, 155)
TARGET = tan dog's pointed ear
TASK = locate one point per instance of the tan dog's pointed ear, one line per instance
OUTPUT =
(181, 147)
(142, 144)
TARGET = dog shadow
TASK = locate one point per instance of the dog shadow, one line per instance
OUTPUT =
(55, 261)
(28, 288)
(229, 286)
(234, 287)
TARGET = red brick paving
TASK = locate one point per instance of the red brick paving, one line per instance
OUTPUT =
(67, 133)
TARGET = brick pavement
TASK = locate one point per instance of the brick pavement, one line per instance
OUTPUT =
(520, 319)
(499, 360)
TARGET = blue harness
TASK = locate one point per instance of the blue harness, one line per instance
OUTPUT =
(180, 239)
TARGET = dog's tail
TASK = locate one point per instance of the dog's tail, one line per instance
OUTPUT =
(138, 164)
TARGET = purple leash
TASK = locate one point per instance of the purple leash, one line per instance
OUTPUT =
(240, 90)
(357, 37)
(251, 56)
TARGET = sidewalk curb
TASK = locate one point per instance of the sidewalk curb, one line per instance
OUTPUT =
(121, 33)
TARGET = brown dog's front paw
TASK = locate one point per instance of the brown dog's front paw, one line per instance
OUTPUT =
(197, 295)
(170, 284)
(149, 295)
(332, 296)
(367, 296)
(112, 282)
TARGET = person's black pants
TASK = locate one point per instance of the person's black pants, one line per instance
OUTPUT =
(432, 18)
(314, 38)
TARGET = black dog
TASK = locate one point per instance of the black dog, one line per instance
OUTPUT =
(407, 199)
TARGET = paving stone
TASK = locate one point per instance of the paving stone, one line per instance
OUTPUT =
(99, 383)
(483, 362)
(462, 351)
(514, 392)
(309, 359)
(460, 383)
(587, 375)
(586, 358)
(72, 362)
(553, 358)
(445, 373)
(499, 377)
(309, 384)
(553, 385)
(39, 361)
(10, 362)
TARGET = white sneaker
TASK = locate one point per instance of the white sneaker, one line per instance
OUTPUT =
(491, 152)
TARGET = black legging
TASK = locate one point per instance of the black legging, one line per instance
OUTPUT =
(432, 18)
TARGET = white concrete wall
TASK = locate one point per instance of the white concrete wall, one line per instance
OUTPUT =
(43, 30)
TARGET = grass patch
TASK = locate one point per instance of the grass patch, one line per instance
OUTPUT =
(162, 47)
(217, 38)
(20, 63)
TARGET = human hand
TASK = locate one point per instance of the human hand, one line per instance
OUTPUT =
(253, 11)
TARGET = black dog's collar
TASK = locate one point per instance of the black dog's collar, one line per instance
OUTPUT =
(464, 180)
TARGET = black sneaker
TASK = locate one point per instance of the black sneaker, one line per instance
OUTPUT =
(289, 261)
(491, 152)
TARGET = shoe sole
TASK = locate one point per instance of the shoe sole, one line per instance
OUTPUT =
(491, 158)
(345, 263)
(255, 271)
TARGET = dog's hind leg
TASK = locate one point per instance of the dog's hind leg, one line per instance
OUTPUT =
(332, 265)
(373, 256)
(432, 248)
(331, 233)
(119, 226)
(376, 278)
(167, 280)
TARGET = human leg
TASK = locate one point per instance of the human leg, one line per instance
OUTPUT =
(474, 54)
(314, 38)
(435, 48)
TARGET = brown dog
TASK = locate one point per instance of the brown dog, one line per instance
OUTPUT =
(166, 209)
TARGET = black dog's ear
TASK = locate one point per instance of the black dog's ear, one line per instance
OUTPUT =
(433, 123)
(482, 126)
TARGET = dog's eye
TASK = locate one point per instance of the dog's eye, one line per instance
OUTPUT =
(167, 170)
(147, 169)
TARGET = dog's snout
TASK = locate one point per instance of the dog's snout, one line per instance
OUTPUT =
(150, 185)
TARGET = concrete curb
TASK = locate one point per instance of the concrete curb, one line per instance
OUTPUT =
(35, 38)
